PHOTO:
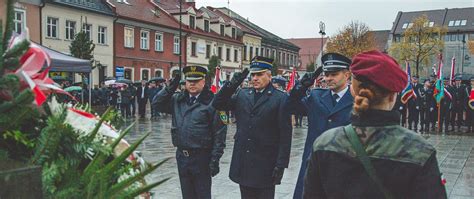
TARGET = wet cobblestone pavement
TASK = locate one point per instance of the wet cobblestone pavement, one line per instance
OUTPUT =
(455, 156)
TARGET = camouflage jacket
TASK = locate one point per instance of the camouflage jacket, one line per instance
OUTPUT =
(404, 162)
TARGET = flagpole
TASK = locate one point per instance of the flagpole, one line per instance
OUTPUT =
(439, 117)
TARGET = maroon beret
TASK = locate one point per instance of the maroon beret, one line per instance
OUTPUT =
(380, 69)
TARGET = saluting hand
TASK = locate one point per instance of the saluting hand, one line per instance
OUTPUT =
(238, 78)
(309, 78)
(174, 83)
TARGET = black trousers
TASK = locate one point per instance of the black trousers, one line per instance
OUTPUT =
(413, 117)
(125, 110)
(403, 114)
(424, 119)
(194, 173)
(470, 119)
(444, 118)
(142, 107)
(257, 193)
(457, 117)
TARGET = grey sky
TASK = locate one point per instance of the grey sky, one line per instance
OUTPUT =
(300, 18)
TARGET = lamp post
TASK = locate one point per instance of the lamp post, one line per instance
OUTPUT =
(322, 28)
(180, 34)
(463, 47)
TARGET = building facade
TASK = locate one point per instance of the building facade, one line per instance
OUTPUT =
(61, 20)
(27, 15)
(310, 51)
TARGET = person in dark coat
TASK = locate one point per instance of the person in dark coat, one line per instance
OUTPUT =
(427, 105)
(445, 106)
(152, 91)
(142, 98)
(197, 130)
(326, 108)
(413, 105)
(460, 99)
(125, 100)
(403, 163)
(263, 138)
(470, 106)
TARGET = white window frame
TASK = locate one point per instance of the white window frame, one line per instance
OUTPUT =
(222, 29)
(69, 29)
(132, 76)
(159, 69)
(463, 22)
(102, 30)
(457, 23)
(87, 28)
(159, 42)
(234, 33)
(431, 24)
(176, 46)
(208, 27)
(131, 37)
(410, 25)
(49, 27)
(22, 22)
(145, 40)
(141, 73)
(451, 23)
(405, 25)
(194, 22)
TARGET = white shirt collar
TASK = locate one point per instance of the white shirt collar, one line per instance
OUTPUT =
(195, 96)
(340, 93)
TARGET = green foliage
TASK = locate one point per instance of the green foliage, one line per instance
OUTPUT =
(214, 61)
(275, 67)
(82, 47)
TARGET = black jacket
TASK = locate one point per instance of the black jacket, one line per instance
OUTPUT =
(404, 162)
(196, 126)
(263, 137)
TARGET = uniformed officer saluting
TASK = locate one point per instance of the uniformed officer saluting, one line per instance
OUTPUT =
(263, 138)
(326, 108)
(197, 131)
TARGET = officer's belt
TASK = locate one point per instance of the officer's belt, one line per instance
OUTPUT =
(191, 152)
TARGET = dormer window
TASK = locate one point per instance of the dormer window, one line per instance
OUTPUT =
(206, 25)
(192, 22)
(233, 33)
(222, 30)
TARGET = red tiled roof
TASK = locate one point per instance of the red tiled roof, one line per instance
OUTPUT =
(143, 10)
(309, 49)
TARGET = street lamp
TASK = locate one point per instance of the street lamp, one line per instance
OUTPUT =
(463, 47)
(180, 34)
(322, 28)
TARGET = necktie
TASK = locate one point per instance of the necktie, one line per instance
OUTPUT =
(143, 92)
(192, 100)
(334, 99)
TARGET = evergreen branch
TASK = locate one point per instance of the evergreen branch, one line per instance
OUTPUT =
(94, 132)
(8, 24)
(24, 97)
(2, 50)
(124, 132)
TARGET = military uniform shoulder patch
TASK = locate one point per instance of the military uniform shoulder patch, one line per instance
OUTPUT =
(224, 117)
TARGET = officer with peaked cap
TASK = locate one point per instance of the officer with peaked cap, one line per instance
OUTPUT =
(263, 138)
(279, 83)
(197, 130)
(326, 108)
(460, 99)
(374, 157)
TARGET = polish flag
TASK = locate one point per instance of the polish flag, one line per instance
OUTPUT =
(292, 80)
(40, 98)
(216, 83)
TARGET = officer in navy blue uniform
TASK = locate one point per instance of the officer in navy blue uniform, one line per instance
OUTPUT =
(326, 108)
(263, 138)
(198, 131)
(279, 83)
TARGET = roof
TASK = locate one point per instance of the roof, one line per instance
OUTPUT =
(310, 48)
(170, 6)
(381, 38)
(440, 17)
(97, 6)
(146, 14)
(243, 27)
(265, 34)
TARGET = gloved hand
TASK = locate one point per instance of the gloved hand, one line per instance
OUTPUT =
(277, 175)
(431, 109)
(174, 83)
(308, 79)
(417, 108)
(401, 108)
(214, 168)
(238, 78)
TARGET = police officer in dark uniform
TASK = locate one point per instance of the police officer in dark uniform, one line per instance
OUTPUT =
(426, 105)
(459, 103)
(445, 106)
(263, 138)
(413, 106)
(279, 83)
(197, 131)
(402, 163)
(326, 108)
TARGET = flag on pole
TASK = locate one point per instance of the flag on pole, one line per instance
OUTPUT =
(408, 92)
(439, 85)
(471, 99)
(292, 80)
(451, 78)
(216, 83)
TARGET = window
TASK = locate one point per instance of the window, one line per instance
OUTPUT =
(128, 36)
(251, 53)
(451, 23)
(410, 25)
(274, 54)
(144, 38)
(245, 52)
(405, 25)
(206, 25)
(227, 54)
(268, 52)
(208, 51)
(235, 55)
(176, 46)
(52, 27)
(159, 41)
(70, 29)
(431, 24)
(261, 51)
(222, 30)
(102, 35)
(193, 49)
(158, 73)
(145, 74)
(471, 36)
(87, 28)
(457, 23)
(219, 52)
(280, 58)
(256, 51)
(128, 74)
(463, 22)
(284, 58)
(453, 37)
(19, 21)
(233, 33)
(446, 37)
(192, 22)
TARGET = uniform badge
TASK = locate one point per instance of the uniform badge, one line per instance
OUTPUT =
(224, 117)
